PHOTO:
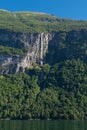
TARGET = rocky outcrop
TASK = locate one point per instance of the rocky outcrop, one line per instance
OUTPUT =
(41, 47)
(35, 44)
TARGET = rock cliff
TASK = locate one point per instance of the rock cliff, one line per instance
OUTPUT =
(35, 44)
(39, 48)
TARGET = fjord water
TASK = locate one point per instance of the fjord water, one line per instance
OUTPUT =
(43, 125)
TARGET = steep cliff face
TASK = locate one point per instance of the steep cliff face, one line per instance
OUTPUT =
(38, 48)
(35, 44)
(67, 45)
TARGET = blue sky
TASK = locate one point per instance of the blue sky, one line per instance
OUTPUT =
(75, 9)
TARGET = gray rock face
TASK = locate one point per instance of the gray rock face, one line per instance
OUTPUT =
(59, 45)
(36, 44)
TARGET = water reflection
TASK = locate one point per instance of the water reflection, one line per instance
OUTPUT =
(43, 125)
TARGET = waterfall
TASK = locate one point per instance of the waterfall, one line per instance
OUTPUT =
(14, 14)
(41, 49)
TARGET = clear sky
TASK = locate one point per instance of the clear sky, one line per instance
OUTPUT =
(75, 9)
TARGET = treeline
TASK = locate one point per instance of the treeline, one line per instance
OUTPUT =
(56, 92)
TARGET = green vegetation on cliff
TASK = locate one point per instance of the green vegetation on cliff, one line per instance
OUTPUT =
(10, 50)
(67, 46)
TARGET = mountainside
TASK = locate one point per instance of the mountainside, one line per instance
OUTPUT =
(28, 38)
(43, 66)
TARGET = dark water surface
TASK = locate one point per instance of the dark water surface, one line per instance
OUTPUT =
(43, 125)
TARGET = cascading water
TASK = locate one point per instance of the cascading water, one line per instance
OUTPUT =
(41, 49)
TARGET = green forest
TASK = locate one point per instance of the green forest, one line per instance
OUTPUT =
(48, 92)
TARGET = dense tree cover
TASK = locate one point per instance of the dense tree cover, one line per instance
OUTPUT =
(57, 92)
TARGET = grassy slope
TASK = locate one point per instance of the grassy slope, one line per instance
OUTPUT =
(36, 22)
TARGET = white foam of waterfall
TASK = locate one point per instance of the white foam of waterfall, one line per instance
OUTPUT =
(41, 49)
